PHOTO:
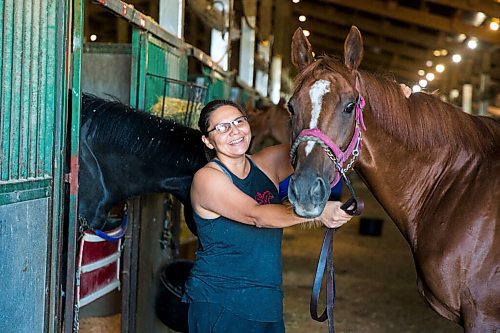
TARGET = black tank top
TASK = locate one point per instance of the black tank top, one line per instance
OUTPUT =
(237, 265)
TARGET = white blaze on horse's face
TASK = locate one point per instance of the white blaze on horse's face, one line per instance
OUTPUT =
(318, 90)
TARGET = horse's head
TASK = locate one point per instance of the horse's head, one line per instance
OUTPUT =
(270, 125)
(326, 120)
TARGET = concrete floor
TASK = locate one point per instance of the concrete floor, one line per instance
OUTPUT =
(375, 278)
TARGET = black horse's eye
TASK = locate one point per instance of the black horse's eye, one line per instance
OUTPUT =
(350, 107)
(290, 108)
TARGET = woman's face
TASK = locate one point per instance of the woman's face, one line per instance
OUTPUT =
(229, 132)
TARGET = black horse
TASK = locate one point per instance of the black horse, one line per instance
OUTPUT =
(125, 153)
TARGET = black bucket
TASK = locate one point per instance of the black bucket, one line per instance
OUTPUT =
(370, 226)
(169, 308)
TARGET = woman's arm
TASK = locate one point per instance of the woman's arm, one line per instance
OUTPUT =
(213, 194)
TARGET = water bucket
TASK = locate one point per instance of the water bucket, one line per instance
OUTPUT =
(370, 226)
(169, 308)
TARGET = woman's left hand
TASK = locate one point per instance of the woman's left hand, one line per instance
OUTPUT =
(333, 216)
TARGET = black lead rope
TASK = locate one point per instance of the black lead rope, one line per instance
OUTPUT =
(353, 206)
(324, 261)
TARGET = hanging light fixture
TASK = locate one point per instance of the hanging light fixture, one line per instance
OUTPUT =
(472, 43)
(456, 58)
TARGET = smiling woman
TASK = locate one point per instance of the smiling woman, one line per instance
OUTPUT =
(236, 278)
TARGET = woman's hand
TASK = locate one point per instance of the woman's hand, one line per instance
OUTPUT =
(406, 90)
(333, 216)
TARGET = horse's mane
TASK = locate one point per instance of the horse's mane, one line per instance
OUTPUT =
(424, 121)
(421, 121)
(128, 131)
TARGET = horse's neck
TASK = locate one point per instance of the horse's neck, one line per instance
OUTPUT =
(406, 183)
(137, 177)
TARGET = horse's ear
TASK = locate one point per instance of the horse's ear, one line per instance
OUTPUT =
(353, 49)
(249, 104)
(301, 50)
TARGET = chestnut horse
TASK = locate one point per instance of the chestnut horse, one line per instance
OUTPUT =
(434, 169)
(269, 124)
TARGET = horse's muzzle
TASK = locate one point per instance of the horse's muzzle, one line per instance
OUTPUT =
(308, 195)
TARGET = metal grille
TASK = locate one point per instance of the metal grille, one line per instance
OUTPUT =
(179, 100)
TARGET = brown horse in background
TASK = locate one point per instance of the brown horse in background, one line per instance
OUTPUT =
(270, 125)
(434, 169)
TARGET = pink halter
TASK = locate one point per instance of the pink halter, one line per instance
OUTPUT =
(337, 155)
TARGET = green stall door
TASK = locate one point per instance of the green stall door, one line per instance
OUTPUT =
(32, 111)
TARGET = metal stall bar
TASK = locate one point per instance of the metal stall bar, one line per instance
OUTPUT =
(76, 18)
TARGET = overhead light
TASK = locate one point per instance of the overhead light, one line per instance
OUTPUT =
(428, 63)
(416, 88)
(494, 25)
(93, 37)
(472, 43)
(440, 68)
(436, 53)
(302, 18)
(422, 83)
(421, 72)
(454, 93)
(456, 58)
(295, 1)
(430, 76)
(444, 52)
(306, 33)
(479, 18)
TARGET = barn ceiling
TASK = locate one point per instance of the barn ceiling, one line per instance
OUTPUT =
(400, 37)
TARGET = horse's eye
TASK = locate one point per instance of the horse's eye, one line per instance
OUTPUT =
(350, 107)
(290, 108)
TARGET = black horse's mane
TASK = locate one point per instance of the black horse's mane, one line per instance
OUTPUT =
(115, 126)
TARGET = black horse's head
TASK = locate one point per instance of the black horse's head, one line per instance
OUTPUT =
(125, 153)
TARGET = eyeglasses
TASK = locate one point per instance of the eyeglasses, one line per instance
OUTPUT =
(225, 127)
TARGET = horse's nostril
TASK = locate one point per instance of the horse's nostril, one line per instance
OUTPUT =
(292, 191)
(318, 190)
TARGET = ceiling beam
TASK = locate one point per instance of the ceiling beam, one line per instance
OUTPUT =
(410, 38)
(371, 61)
(393, 61)
(490, 8)
(330, 14)
(368, 40)
(418, 17)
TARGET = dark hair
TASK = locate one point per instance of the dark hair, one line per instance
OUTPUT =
(210, 107)
(206, 113)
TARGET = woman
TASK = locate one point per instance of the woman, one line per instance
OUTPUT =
(235, 285)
